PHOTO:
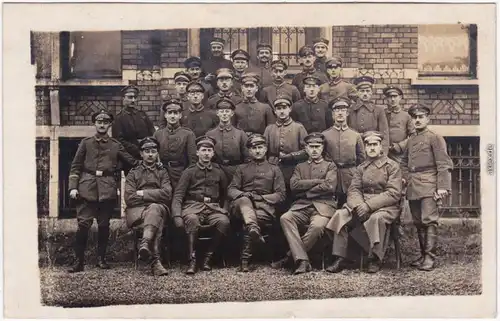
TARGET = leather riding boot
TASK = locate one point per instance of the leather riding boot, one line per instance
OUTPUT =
(430, 244)
(337, 265)
(192, 237)
(246, 252)
(303, 267)
(157, 269)
(147, 239)
(102, 244)
(374, 264)
(216, 240)
(81, 237)
(250, 220)
(421, 242)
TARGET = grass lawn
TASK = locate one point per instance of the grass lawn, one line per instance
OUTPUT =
(458, 273)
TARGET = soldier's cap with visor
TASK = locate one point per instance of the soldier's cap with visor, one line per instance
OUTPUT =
(102, 115)
(172, 104)
(364, 81)
(250, 77)
(240, 54)
(192, 62)
(419, 109)
(389, 90)
(182, 76)
(224, 73)
(148, 142)
(195, 87)
(217, 41)
(333, 62)
(255, 140)
(305, 51)
(279, 62)
(321, 41)
(311, 80)
(205, 141)
(130, 88)
(225, 103)
(372, 136)
(339, 103)
(315, 138)
(282, 101)
(264, 46)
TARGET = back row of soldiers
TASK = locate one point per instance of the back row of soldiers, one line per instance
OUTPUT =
(283, 126)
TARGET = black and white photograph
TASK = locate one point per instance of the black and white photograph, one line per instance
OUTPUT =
(259, 163)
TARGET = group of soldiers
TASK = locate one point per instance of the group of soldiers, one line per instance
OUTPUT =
(240, 144)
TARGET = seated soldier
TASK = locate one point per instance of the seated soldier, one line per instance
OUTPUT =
(313, 183)
(147, 195)
(372, 202)
(198, 200)
(256, 189)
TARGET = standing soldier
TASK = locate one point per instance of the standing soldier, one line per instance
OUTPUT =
(225, 85)
(241, 60)
(344, 146)
(313, 183)
(216, 60)
(92, 182)
(230, 142)
(400, 124)
(147, 195)
(307, 59)
(336, 87)
(252, 116)
(320, 46)
(312, 111)
(131, 124)
(177, 148)
(181, 80)
(198, 201)
(427, 169)
(285, 140)
(373, 198)
(365, 115)
(198, 118)
(263, 65)
(257, 187)
(279, 87)
(193, 68)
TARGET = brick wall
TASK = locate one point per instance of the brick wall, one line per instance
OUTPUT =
(42, 106)
(174, 48)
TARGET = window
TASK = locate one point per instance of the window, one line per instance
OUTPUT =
(447, 50)
(91, 55)
(236, 38)
(42, 176)
(287, 42)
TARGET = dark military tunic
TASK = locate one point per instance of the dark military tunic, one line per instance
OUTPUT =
(314, 115)
(400, 128)
(210, 65)
(264, 72)
(130, 126)
(232, 95)
(320, 64)
(297, 80)
(269, 94)
(365, 117)
(199, 120)
(253, 116)
(177, 150)
(336, 88)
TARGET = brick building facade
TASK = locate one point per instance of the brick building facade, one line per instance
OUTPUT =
(74, 79)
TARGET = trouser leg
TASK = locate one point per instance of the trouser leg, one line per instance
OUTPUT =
(290, 222)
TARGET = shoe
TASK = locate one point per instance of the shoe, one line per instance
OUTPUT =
(373, 266)
(418, 262)
(281, 263)
(256, 236)
(101, 263)
(304, 267)
(77, 267)
(245, 267)
(158, 269)
(337, 265)
(427, 264)
(206, 262)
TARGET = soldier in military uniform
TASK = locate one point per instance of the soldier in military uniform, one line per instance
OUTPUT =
(177, 148)
(181, 80)
(252, 116)
(241, 60)
(400, 124)
(373, 198)
(312, 111)
(92, 183)
(230, 142)
(307, 59)
(193, 69)
(225, 85)
(198, 200)
(313, 183)
(131, 124)
(256, 189)
(365, 115)
(344, 146)
(336, 86)
(263, 66)
(427, 170)
(216, 60)
(320, 46)
(198, 118)
(285, 140)
(147, 195)
(279, 87)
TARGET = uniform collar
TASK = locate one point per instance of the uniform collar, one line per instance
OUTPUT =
(130, 110)
(193, 109)
(103, 138)
(228, 94)
(379, 161)
(317, 161)
(226, 128)
(173, 128)
(151, 168)
(420, 132)
(285, 123)
(259, 163)
(341, 128)
(311, 101)
(251, 100)
(394, 111)
(203, 167)
(359, 104)
(309, 71)
(335, 81)
(275, 84)
(265, 65)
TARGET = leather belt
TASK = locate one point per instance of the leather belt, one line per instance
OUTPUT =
(372, 191)
(99, 173)
(200, 198)
(414, 169)
(345, 165)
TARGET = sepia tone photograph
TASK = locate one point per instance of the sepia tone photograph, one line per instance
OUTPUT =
(257, 163)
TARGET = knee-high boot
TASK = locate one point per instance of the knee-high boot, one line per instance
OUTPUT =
(192, 238)
(216, 240)
(421, 241)
(430, 245)
(145, 247)
(246, 252)
(81, 237)
(157, 269)
(102, 244)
